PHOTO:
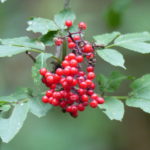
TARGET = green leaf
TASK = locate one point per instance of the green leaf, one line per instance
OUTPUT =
(40, 63)
(23, 42)
(133, 37)
(111, 83)
(41, 25)
(62, 16)
(135, 42)
(48, 39)
(9, 51)
(10, 127)
(113, 108)
(4, 108)
(38, 108)
(140, 95)
(139, 47)
(105, 39)
(112, 56)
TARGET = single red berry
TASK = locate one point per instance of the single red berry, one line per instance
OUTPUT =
(81, 107)
(87, 48)
(49, 93)
(79, 58)
(82, 26)
(94, 96)
(90, 69)
(93, 104)
(74, 108)
(85, 98)
(63, 104)
(74, 97)
(90, 56)
(50, 79)
(48, 74)
(69, 79)
(65, 63)
(73, 63)
(76, 37)
(58, 42)
(43, 71)
(59, 71)
(74, 82)
(73, 70)
(88, 82)
(90, 92)
(71, 45)
(55, 102)
(71, 56)
(69, 40)
(56, 78)
(74, 114)
(81, 91)
(81, 73)
(69, 109)
(67, 71)
(100, 100)
(83, 85)
(68, 23)
(91, 75)
(45, 99)
(56, 95)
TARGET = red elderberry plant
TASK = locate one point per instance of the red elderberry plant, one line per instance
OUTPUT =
(71, 87)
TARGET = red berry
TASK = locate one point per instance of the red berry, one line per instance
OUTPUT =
(76, 37)
(65, 63)
(83, 85)
(90, 92)
(69, 40)
(100, 100)
(71, 56)
(49, 93)
(81, 91)
(74, 97)
(59, 71)
(88, 82)
(94, 96)
(43, 71)
(69, 109)
(74, 108)
(85, 98)
(73, 63)
(82, 25)
(69, 79)
(79, 58)
(81, 107)
(71, 45)
(91, 75)
(45, 99)
(73, 70)
(68, 23)
(93, 104)
(67, 71)
(90, 69)
(87, 48)
(74, 114)
(90, 56)
(50, 79)
(58, 42)
(55, 102)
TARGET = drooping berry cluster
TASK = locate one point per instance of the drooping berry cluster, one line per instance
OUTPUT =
(71, 87)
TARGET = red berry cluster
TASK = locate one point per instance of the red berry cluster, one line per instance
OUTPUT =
(71, 88)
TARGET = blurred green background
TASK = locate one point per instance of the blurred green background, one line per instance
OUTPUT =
(92, 130)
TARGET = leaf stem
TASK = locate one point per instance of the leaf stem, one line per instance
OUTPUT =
(110, 46)
(121, 97)
(64, 51)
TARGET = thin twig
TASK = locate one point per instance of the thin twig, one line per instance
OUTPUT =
(30, 55)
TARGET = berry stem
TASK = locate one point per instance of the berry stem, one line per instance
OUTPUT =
(64, 51)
